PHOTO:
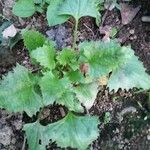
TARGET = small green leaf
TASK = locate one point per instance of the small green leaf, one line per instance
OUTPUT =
(129, 75)
(45, 56)
(33, 39)
(113, 32)
(68, 57)
(79, 8)
(87, 93)
(17, 92)
(76, 76)
(53, 16)
(69, 100)
(74, 131)
(24, 8)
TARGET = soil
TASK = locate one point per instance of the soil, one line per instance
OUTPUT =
(129, 125)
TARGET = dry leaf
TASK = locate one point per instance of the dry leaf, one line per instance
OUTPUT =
(84, 68)
(128, 13)
(11, 31)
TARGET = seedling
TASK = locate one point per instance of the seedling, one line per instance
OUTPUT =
(69, 78)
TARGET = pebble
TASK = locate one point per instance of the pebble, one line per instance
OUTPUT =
(132, 31)
(148, 137)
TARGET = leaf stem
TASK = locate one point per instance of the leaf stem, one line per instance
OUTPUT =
(75, 34)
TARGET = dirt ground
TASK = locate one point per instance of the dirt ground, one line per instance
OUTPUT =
(129, 126)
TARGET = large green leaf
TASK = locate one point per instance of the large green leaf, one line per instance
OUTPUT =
(17, 92)
(102, 57)
(72, 131)
(79, 8)
(33, 39)
(129, 75)
(87, 93)
(59, 91)
(45, 56)
(24, 8)
(36, 136)
(53, 16)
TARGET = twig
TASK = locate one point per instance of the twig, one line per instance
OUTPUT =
(105, 15)
(36, 69)
(89, 29)
(24, 143)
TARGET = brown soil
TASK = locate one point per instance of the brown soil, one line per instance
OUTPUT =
(126, 132)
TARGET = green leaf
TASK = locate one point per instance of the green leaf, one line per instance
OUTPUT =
(53, 16)
(129, 75)
(102, 57)
(69, 100)
(17, 92)
(38, 1)
(59, 91)
(87, 93)
(79, 8)
(75, 76)
(68, 57)
(45, 56)
(72, 131)
(36, 136)
(53, 88)
(33, 39)
(24, 8)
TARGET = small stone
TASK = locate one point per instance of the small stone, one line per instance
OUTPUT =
(148, 137)
(134, 37)
(25, 62)
(132, 31)
(131, 38)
